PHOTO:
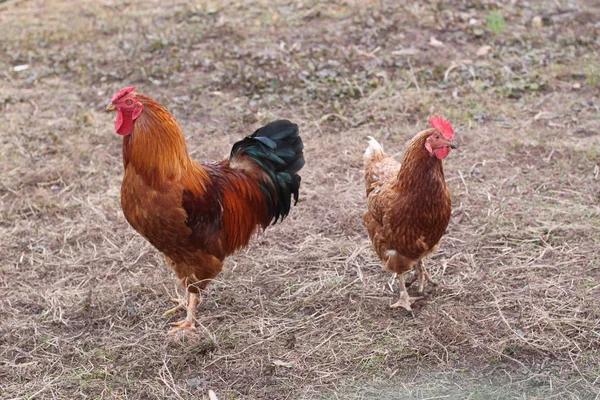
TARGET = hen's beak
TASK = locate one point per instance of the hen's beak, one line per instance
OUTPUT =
(452, 144)
(111, 107)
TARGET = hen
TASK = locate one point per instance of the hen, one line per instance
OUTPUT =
(409, 204)
(197, 214)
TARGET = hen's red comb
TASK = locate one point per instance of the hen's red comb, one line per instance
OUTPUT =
(123, 92)
(443, 126)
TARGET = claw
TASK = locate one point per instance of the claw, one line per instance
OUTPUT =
(180, 306)
(182, 325)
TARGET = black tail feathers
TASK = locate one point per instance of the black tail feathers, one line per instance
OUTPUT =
(277, 149)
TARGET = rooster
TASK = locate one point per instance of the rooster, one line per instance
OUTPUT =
(409, 204)
(197, 214)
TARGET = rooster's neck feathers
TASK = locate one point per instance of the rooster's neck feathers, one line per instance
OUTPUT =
(156, 148)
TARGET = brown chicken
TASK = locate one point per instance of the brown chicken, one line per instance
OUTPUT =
(197, 214)
(409, 204)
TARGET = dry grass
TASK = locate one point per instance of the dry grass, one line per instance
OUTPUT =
(302, 313)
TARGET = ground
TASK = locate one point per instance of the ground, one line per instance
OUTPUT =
(303, 313)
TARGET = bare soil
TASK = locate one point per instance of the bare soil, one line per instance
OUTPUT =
(303, 312)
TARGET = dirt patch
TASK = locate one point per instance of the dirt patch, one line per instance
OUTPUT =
(303, 312)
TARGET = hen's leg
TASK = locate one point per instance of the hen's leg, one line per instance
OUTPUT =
(423, 275)
(405, 300)
(189, 321)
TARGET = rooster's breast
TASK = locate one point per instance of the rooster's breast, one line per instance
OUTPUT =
(155, 213)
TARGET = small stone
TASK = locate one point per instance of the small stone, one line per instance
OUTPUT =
(483, 50)
(435, 43)
(536, 22)
(19, 68)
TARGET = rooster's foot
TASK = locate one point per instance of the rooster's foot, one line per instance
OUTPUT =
(188, 322)
(183, 325)
(180, 306)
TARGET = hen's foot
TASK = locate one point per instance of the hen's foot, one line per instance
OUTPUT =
(405, 301)
(180, 306)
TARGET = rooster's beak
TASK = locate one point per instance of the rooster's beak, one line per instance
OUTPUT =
(452, 145)
(111, 107)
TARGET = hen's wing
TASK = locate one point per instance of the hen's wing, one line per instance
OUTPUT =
(378, 173)
(376, 218)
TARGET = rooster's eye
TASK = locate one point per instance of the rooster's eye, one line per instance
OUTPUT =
(129, 102)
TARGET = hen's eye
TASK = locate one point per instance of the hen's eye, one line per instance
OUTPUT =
(129, 102)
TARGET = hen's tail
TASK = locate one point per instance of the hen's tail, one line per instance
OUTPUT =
(379, 167)
(277, 149)
(374, 152)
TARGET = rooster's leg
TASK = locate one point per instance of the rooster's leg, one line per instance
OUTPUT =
(405, 300)
(189, 321)
(423, 275)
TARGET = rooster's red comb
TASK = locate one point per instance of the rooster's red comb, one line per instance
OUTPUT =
(439, 123)
(123, 92)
